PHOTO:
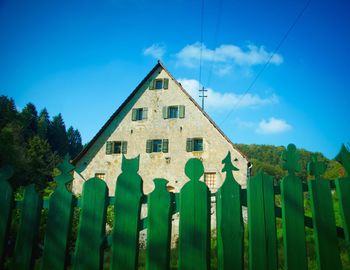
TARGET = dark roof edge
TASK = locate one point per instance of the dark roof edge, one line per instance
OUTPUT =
(89, 145)
(159, 64)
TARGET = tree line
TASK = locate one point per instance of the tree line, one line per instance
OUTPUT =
(33, 143)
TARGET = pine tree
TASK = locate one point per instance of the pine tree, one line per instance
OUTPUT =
(8, 112)
(43, 124)
(57, 136)
(74, 142)
(29, 119)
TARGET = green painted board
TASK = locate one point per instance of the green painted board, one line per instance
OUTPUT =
(194, 230)
(230, 229)
(327, 252)
(293, 213)
(127, 207)
(92, 224)
(343, 191)
(261, 223)
(28, 229)
(6, 202)
(59, 220)
(158, 227)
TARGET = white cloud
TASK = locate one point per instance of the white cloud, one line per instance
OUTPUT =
(273, 126)
(226, 101)
(155, 50)
(227, 53)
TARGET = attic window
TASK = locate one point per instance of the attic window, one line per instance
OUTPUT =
(157, 145)
(159, 84)
(139, 114)
(116, 147)
(194, 144)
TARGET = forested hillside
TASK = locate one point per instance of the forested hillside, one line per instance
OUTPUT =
(268, 159)
(33, 143)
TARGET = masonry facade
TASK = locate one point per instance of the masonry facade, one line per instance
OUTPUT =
(160, 122)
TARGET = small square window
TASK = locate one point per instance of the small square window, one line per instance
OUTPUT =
(102, 176)
(173, 112)
(197, 144)
(157, 146)
(158, 84)
(117, 147)
(210, 179)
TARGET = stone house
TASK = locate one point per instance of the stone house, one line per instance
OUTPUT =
(163, 124)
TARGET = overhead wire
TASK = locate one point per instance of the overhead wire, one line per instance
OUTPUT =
(300, 14)
(201, 44)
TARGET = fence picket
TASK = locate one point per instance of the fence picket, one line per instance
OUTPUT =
(194, 230)
(127, 208)
(230, 229)
(343, 191)
(293, 213)
(6, 202)
(59, 221)
(261, 223)
(158, 227)
(28, 229)
(92, 224)
(327, 251)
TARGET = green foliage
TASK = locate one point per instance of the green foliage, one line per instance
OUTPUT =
(32, 144)
(74, 142)
(268, 159)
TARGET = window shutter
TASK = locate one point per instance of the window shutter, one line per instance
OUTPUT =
(165, 146)
(109, 148)
(166, 83)
(124, 147)
(182, 111)
(151, 85)
(165, 112)
(144, 113)
(133, 116)
(149, 146)
(189, 145)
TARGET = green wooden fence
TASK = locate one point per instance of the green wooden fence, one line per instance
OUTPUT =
(22, 250)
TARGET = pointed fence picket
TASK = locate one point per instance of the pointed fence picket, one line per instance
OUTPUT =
(292, 199)
(92, 224)
(193, 204)
(55, 254)
(230, 228)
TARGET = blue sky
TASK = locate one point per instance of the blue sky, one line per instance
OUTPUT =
(83, 58)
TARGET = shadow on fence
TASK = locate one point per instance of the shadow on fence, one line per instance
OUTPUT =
(193, 205)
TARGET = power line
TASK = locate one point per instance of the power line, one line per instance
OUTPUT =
(269, 59)
(201, 44)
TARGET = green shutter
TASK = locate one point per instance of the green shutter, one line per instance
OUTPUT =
(189, 145)
(109, 148)
(166, 83)
(124, 147)
(165, 112)
(165, 146)
(144, 113)
(182, 111)
(133, 116)
(149, 146)
(151, 85)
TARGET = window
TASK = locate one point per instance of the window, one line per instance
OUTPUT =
(209, 179)
(102, 176)
(139, 114)
(157, 145)
(175, 111)
(116, 147)
(159, 84)
(194, 144)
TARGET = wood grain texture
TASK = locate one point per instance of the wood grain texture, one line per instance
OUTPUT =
(55, 254)
(92, 224)
(327, 252)
(230, 229)
(292, 199)
(127, 209)
(194, 230)
(158, 227)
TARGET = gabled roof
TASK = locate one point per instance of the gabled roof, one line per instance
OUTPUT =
(114, 115)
